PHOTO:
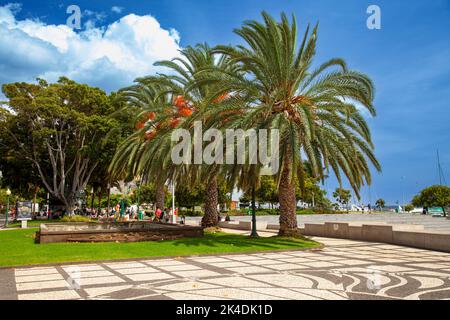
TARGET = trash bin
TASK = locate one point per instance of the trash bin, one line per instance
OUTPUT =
(141, 215)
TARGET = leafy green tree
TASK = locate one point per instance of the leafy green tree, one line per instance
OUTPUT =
(434, 196)
(311, 192)
(196, 195)
(147, 194)
(380, 204)
(245, 198)
(190, 196)
(267, 191)
(18, 174)
(409, 208)
(315, 110)
(62, 129)
(342, 196)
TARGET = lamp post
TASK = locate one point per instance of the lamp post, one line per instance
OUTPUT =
(254, 231)
(174, 217)
(8, 193)
(138, 183)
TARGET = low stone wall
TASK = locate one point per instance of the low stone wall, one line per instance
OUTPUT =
(114, 232)
(242, 225)
(410, 236)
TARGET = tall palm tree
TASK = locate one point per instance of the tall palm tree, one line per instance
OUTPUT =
(317, 111)
(189, 82)
(136, 154)
(184, 90)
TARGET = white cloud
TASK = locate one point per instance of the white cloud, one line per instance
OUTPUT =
(110, 57)
(117, 9)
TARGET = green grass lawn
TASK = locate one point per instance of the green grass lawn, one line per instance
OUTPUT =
(32, 223)
(18, 248)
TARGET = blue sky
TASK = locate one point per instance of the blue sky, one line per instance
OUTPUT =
(408, 59)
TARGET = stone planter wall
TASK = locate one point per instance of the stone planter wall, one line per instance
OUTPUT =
(116, 232)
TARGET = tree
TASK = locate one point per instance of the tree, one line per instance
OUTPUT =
(190, 196)
(342, 196)
(194, 92)
(20, 175)
(311, 192)
(315, 110)
(245, 199)
(434, 196)
(147, 194)
(409, 208)
(62, 130)
(380, 204)
(267, 191)
(172, 100)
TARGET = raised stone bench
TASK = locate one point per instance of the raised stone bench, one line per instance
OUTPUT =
(405, 235)
(114, 232)
(242, 225)
(401, 234)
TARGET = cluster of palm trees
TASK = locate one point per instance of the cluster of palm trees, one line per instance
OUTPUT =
(269, 82)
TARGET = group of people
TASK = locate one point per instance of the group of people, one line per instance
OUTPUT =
(165, 216)
(117, 213)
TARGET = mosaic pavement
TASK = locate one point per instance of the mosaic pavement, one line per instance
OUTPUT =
(343, 270)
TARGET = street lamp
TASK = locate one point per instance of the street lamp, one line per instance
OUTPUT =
(254, 233)
(174, 217)
(138, 184)
(8, 193)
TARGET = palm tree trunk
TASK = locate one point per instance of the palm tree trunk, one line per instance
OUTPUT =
(160, 195)
(288, 202)
(210, 219)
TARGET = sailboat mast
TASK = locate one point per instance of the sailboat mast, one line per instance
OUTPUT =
(439, 168)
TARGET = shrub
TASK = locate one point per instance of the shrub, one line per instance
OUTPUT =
(190, 213)
(75, 219)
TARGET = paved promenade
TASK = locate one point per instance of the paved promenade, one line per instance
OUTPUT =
(430, 223)
(342, 270)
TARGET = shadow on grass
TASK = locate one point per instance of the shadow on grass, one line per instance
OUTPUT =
(239, 241)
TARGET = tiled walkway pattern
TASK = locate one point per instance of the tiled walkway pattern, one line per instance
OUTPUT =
(343, 270)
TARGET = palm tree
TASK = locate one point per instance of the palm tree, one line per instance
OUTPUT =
(317, 111)
(189, 83)
(186, 91)
(139, 155)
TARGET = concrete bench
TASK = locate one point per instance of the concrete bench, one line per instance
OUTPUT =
(404, 235)
(242, 225)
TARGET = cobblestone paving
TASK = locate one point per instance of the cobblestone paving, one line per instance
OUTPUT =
(342, 270)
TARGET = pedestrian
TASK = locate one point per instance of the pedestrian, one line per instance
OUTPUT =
(158, 214)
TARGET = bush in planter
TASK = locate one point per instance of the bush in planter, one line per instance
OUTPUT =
(190, 213)
(75, 218)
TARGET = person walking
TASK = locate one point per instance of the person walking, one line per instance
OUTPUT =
(158, 215)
